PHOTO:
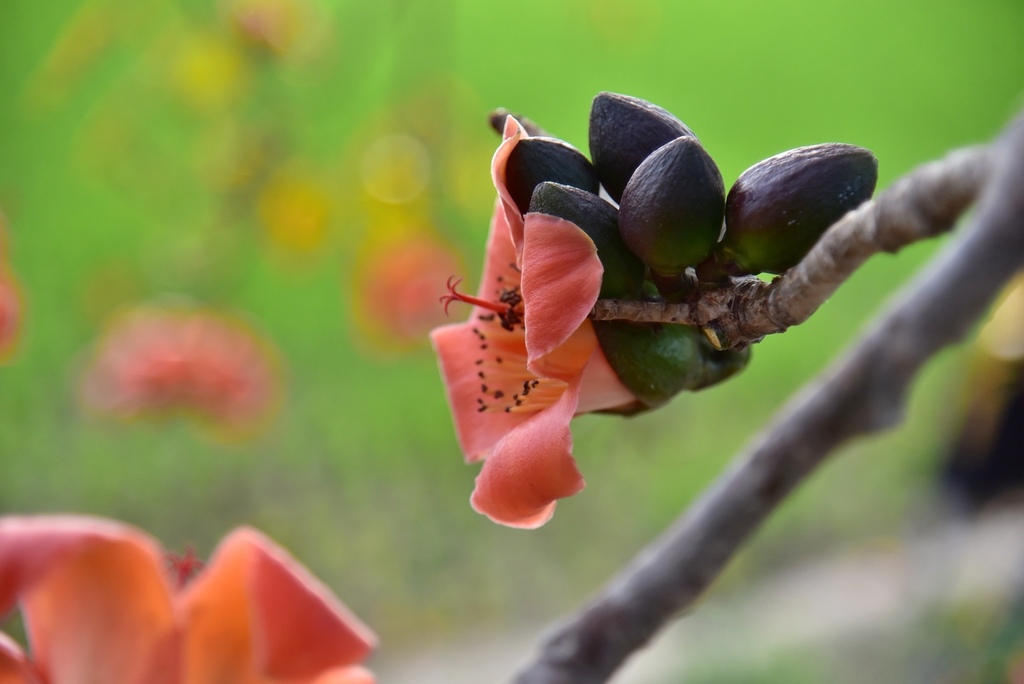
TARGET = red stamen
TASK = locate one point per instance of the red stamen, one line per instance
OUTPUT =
(184, 566)
(456, 296)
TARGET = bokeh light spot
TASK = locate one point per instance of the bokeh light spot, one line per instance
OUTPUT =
(395, 168)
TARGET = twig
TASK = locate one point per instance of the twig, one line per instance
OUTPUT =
(921, 205)
(861, 393)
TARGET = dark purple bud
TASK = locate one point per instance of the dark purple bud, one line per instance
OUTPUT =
(671, 210)
(623, 132)
(535, 160)
(779, 207)
(497, 121)
(623, 273)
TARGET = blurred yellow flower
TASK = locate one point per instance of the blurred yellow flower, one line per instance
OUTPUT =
(395, 168)
(294, 210)
(209, 73)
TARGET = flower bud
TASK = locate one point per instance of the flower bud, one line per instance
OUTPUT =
(535, 160)
(779, 207)
(497, 121)
(623, 132)
(655, 362)
(671, 210)
(623, 272)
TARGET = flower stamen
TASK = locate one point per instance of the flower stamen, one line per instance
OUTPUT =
(183, 566)
(508, 307)
(456, 296)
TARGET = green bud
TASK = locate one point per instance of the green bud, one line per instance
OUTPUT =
(655, 362)
(535, 160)
(623, 132)
(623, 273)
(671, 210)
(779, 207)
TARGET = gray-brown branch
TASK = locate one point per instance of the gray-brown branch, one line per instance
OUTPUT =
(861, 393)
(921, 205)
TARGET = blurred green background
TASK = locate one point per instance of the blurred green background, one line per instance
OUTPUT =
(271, 158)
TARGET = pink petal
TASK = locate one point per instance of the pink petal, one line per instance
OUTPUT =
(500, 264)
(531, 467)
(459, 348)
(561, 282)
(601, 388)
(514, 132)
(254, 615)
(96, 602)
(14, 666)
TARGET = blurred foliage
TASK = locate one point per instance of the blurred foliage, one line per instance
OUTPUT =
(275, 159)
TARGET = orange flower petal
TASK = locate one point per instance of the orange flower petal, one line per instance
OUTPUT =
(531, 467)
(96, 602)
(215, 613)
(254, 615)
(561, 281)
(346, 675)
(299, 627)
(14, 666)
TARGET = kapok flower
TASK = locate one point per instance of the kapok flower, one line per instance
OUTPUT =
(100, 606)
(527, 360)
(153, 361)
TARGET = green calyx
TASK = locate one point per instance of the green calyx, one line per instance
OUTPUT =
(623, 273)
(655, 362)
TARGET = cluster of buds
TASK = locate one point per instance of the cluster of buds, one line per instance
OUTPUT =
(673, 211)
(671, 229)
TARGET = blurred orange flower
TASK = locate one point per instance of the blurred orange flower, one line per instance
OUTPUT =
(271, 25)
(154, 361)
(10, 300)
(10, 314)
(100, 605)
(397, 285)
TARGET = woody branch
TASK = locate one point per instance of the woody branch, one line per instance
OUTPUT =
(861, 393)
(923, 204)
